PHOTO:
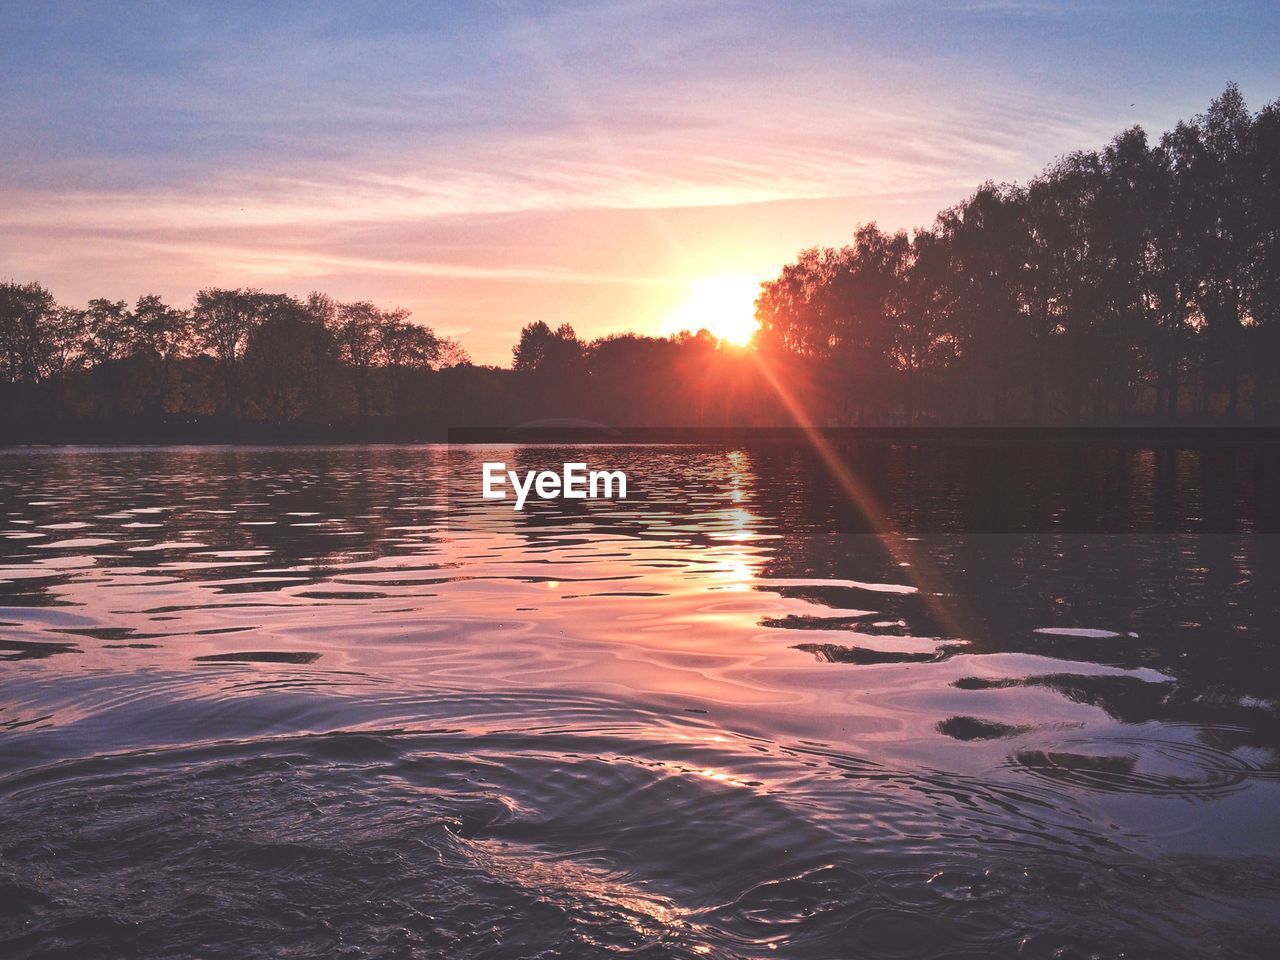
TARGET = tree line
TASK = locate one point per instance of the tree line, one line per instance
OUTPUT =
(234, 355)
(242, 358)
(1136, 283)
(1139, 282)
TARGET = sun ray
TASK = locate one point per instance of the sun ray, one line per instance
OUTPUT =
(943, 601)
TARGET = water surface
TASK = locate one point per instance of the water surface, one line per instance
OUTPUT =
(312, 702)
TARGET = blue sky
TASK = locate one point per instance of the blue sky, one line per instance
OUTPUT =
(491, 164)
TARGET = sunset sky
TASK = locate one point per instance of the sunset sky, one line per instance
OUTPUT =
(610, 165)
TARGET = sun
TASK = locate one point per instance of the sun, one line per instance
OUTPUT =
(723, 305)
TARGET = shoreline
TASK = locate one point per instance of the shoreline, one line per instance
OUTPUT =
(375, 434)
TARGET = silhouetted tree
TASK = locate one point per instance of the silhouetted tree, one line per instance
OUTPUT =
(224, 321)
(1140, 280)
(162, 337)
(1263, 301)
(1096, 291)
(28, 326)
(924, 344)
(550, 351)
(358, 335)
(987, 237)
(1225, 142)
(409, 349)
(288, 360)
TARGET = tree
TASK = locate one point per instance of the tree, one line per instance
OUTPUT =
(358, 333)
(1263, 301)
(1226, 142)
(223, 322)
(407, 349)
(1118, 283)
(287, 361)
(109, 329)
(28, 317)
(799, 313)
(64, 338)
(987, 239)
(923, 345)
(162, 337)
(549, 351)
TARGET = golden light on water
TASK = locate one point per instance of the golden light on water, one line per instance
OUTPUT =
(723, 305)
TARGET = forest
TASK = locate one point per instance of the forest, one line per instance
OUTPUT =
(1135, 284)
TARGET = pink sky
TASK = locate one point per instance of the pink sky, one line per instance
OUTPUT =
(588, 166)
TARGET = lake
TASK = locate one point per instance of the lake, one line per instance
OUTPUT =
(900, 700)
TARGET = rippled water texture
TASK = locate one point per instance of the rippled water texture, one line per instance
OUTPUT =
(303, 702)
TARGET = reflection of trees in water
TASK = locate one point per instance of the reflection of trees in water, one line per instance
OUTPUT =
(1198, 609)
(970, 486)
(1198, 604)
(1194, 606)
